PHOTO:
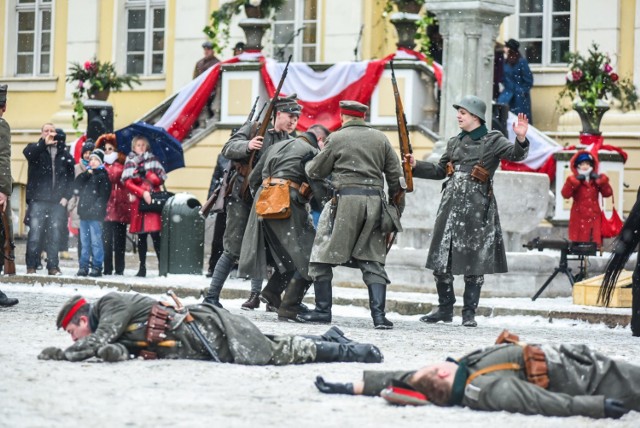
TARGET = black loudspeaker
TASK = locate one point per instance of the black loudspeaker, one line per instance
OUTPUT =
(499, 116)
(99, 118)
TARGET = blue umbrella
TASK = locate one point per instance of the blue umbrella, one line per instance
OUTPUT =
(165, 147)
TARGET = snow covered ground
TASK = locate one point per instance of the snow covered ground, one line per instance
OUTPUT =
(140, 393)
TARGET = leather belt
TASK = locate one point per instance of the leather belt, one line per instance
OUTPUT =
(304, 189)
(463, 168)
(293, 184)
(359, 191)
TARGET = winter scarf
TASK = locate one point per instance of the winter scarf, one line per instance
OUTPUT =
(138, 165)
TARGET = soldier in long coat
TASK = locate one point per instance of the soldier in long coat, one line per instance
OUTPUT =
(238, 149)
(115, 328)
(349, 231)
(467, 237)
(581, 382)
(289, 240)
(6, 183)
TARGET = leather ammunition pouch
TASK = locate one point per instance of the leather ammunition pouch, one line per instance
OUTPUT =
(148, 355)
(274, 201)
(535, 365)
(450, 169)
(480, 173)
(157, 323)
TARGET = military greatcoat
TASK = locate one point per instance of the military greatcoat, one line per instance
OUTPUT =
(467, 232)
(238, 205)
(121, 319)
(290, 240)
(356, 156)
(579, 381)
(5, 157)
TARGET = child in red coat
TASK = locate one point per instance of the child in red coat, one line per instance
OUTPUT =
(585, 186)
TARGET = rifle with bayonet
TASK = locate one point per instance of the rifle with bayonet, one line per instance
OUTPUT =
(215, 202)
(262, 130)
(403, 134)
(7, 249)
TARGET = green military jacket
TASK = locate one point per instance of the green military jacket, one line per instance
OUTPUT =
(467, 223)
(238, 205)
(290, 240)
(579, 381)
(358, 156)
(120, 319)
(5, 158)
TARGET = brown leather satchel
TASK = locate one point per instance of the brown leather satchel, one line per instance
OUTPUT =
(535, 365)
(274, 202)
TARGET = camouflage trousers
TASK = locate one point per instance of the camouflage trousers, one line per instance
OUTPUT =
(292, 350)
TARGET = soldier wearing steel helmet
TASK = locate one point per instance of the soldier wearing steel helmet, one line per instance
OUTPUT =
(467, 238)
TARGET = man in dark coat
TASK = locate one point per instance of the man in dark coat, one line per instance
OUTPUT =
(6, 183)
(119, 326)
(238, 149)
(350, 230)
(49, 187)
(289, 240)
(467, 238)
(580, 382)
(207, 61)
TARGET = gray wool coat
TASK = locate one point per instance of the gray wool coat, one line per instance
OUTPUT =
(467, 230)
(239, 207)
(289, 240)
(359, 156)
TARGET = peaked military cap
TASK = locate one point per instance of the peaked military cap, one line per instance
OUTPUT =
(288, 104)
(69, 309)
(353, 108)
(3, 94)
(207, 45)
(473, 105)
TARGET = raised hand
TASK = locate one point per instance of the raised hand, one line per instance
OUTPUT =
(521, 126)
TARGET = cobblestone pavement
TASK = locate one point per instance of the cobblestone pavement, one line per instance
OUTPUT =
(139, 393)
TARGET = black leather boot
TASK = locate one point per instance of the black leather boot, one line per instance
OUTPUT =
(377, 302)
(272, 292)
(253, 302)
(142, 271)
(334, 334)
(330, 352)
(7, 301)
(472, 286)
(322, 313)
(446, 299)
(293, 295)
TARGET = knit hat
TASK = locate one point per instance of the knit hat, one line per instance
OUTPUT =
(68, 310)
(513, 44)
(88, 146)
(583, 157)
(98, 154)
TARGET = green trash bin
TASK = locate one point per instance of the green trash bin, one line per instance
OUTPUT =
(182, 236)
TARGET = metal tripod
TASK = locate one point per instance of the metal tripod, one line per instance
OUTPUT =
(563, 267)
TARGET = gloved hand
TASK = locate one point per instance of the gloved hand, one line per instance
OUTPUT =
(594, 175)
(581, 177)
(52, 353)
(333, 388)
(614, 409)
(113, 352)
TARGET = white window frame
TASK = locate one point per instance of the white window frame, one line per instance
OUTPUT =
(38, 6)
(149, 6)
(547, 17)
(298, 22)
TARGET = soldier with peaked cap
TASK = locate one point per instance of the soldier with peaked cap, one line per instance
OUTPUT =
(350, 230)
(6, 183)
(238, 149)
(119, 326)
(467, 238)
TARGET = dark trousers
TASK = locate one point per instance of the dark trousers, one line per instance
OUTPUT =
(142, 246)
(217, 247)
(114, 238)
(44, 216)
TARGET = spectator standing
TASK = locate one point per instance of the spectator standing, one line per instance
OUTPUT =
(49, 187)
(143, 173)
(517, 81)
(114, 232)
(207, 61)
(6, 183)
(585, 186)
(93, 189)
(217, 247)
(72, 207)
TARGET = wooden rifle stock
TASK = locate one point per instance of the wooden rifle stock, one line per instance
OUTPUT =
(7, 250)
(262, 130)
(403, 134)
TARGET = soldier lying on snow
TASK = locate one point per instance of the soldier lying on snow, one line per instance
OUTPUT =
(119, 326)
(550, 380)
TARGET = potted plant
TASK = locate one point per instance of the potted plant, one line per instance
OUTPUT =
(592, 80)
(95, 80)
(218, 29)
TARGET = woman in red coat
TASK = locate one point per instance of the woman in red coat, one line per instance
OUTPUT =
(585, 186)
(114, 231)
(143, 173)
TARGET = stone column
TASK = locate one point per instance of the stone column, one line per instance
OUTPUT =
(469, 29)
